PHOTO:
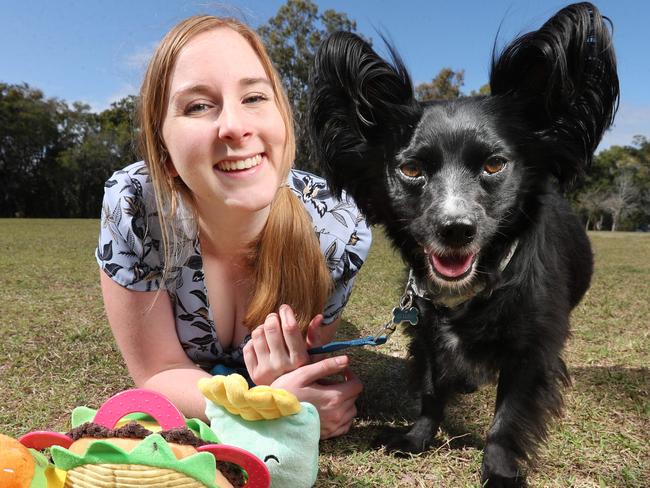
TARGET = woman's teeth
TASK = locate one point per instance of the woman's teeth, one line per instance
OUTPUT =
(241, 164)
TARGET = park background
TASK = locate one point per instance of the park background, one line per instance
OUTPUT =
(70, 72)
(69, 76)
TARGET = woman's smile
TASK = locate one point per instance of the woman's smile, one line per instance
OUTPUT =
(239, 165)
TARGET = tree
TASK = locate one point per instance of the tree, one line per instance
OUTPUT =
(483, 90)
(107, 143)
(589, 204)
(445, 85)
(292, 38)
(29, 142)
(622, 198)
(617, 187)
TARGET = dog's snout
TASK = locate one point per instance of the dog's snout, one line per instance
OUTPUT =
(457, 233)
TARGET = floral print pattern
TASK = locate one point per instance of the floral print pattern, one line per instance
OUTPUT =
(130, 252)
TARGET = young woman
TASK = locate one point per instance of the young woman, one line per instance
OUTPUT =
(216, 255)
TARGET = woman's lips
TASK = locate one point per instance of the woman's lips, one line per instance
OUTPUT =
(229, 165)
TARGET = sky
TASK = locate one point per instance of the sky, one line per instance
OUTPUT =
(96, 51)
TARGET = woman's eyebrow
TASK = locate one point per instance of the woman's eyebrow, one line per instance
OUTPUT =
(203, 89)
(254, 81)
(191, 90)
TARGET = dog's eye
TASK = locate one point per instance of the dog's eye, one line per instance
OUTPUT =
(494, 165)
(411, 170)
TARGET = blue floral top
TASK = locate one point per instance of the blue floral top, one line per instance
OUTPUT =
(130, 252)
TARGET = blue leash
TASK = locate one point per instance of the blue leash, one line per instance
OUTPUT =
(404, 313)
(338, 345)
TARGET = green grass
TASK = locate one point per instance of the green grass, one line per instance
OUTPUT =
(57, 352)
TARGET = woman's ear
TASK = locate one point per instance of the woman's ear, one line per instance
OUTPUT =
(565, 76)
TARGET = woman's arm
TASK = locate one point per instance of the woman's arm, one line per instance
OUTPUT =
(144, 328)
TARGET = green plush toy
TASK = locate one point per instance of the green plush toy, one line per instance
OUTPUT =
(268, 422)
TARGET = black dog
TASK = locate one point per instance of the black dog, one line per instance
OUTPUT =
(469, 191)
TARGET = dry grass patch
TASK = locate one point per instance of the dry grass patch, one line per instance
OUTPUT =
(57, 352)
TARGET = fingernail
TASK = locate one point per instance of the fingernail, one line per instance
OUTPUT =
(341, 360)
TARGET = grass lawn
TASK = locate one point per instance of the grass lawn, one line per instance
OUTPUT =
(57, 352)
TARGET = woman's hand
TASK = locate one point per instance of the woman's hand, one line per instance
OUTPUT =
(277, 347)
(335, 401)
(277, 355)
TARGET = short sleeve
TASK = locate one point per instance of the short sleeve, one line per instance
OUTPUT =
(342, 232)
(344, 269)
(129, 244)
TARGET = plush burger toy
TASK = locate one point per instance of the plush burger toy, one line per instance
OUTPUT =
(107, 450)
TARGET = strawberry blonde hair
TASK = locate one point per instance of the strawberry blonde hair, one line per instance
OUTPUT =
(286, 262)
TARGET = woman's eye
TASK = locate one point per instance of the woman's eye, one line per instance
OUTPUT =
(196, 107)
(411, 170)
(255, 98)
(494, 165)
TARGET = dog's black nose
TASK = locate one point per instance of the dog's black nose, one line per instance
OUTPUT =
(456, 233)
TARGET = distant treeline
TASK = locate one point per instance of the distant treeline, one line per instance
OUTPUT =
(55, 158)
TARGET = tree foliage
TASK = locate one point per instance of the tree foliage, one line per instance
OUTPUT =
(445, 85)
(292, 38)
(616, 192)
(55, 158)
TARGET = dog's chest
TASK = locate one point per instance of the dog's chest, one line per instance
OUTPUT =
(456, 353)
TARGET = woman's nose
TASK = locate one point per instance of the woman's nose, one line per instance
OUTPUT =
(232, 123)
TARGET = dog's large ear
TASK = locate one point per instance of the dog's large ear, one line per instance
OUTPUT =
(361, 110)
(565, 74)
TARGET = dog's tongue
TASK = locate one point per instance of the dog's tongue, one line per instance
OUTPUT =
(451, 266)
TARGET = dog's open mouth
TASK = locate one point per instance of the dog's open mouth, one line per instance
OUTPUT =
(452, 267)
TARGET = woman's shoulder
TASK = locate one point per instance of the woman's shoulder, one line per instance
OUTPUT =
(131, 190)
(337, 215)
(340, 226)
(133, 178)
(129, 240)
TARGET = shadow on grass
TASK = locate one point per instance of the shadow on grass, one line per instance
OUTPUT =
(387, 402)
(618, 389)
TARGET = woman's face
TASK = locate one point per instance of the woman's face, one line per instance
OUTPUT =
(223, 129)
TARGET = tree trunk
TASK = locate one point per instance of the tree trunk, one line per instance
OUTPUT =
(599, 224)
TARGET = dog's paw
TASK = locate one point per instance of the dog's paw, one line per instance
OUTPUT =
(500, 468)
(496, 481)
(401, 443)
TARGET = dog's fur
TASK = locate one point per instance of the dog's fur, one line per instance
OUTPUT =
(456, 184)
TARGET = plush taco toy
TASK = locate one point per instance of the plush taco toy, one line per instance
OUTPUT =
(109, 452)
(268, 422)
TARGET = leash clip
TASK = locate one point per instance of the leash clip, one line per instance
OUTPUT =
(405, 312)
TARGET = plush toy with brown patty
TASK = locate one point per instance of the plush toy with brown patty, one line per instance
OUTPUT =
(107, 452)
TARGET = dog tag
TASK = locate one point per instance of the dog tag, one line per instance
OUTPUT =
(409, 315)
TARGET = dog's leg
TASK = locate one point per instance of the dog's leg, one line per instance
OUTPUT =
(528, 393)
(433, 399)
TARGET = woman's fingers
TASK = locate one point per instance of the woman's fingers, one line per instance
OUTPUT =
(340, 422)
(295, 344)
(335, 401)
(314, 332)
(250, 358)
(313, 372)
(337, 416)
(273, 333)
